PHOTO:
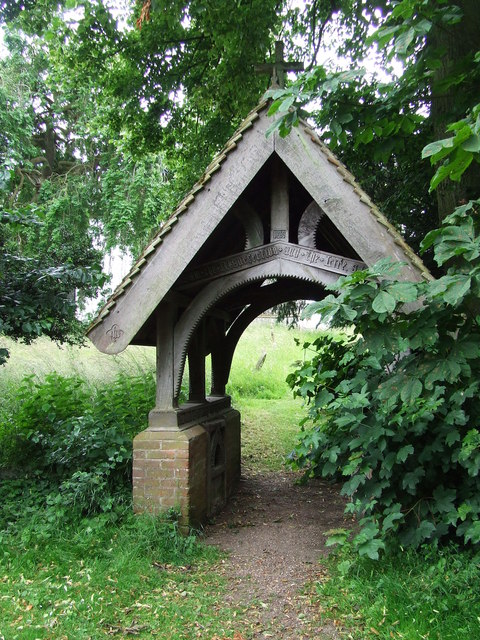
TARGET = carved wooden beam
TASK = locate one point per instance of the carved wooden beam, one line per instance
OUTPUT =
(262, 255)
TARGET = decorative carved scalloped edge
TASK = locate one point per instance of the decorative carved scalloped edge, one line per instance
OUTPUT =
(220, 288)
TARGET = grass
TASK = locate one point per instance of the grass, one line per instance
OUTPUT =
(101, 579)
(43, 356)
(269, 430)
(270, 415)
(433, 594)
(64, 576)
(275, 345)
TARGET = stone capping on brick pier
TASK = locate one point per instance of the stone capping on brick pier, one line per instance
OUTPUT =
(188, 413)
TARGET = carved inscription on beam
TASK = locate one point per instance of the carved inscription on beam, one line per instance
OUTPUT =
(261, 255)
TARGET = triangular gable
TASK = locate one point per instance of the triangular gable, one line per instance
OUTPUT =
(205, 207)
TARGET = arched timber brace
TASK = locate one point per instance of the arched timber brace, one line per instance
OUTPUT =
(272, 220)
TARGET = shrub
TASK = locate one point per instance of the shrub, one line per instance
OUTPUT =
(80, 443)
(394, 406)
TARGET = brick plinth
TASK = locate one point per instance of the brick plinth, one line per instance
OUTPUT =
(171, 468)
(166, 466)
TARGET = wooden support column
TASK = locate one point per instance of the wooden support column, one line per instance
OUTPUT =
(196, 365)
(280, 208)
(216, 346)
(166, 318)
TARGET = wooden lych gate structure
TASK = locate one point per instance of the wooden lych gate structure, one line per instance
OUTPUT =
(272, 220)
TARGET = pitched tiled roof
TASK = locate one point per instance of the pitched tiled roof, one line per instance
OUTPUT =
(167, 226)
(215, 166)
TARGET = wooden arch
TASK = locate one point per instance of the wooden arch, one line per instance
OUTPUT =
(257, 297)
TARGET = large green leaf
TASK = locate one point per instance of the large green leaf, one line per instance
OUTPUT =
(384, 302)
(411, 390)
(403, 291)
(404, 452)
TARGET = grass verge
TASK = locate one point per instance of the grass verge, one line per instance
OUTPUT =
(109, 576)
(432, 593)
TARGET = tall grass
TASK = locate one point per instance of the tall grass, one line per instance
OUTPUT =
(432, 593)
(44, 356)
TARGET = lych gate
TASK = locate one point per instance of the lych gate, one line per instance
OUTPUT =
(271, 220)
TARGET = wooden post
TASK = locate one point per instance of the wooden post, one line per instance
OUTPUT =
(216, 345)
(196, 365)
(166, 318)
(280, 208)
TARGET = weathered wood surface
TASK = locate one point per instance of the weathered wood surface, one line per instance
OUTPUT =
(280, 208)
(252, 225)
(261, 255)
(204, 214)
(337, 198)
(308, 225)
(213, 292)
(330, 186)
(166, 317)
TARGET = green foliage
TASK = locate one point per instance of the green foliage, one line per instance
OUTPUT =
(378, 125)
(86, 577)
(457, 151)
(81, 444)
(431, 592)
(38, 293)
(393, 404)
(107, 123)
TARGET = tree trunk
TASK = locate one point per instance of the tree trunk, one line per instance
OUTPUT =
(456, 44)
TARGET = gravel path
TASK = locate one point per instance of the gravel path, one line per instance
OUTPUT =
(273, 530)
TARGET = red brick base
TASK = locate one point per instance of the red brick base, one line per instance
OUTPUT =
(172, 468)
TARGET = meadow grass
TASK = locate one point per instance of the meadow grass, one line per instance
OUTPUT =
(44, 356)
(269, 431)
(264, 357)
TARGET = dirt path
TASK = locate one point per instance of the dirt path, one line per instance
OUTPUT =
(273, 531)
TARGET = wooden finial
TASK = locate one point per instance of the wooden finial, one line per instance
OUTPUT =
(278, 67)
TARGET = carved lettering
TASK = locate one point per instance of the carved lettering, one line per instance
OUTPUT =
(260, 255)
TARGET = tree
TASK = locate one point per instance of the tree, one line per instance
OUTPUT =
(38, 294)
(380, 127)
(392, 404)
(104, 127)
(108, 122)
